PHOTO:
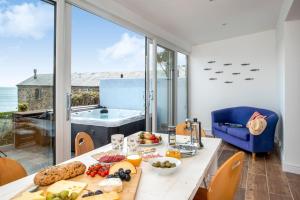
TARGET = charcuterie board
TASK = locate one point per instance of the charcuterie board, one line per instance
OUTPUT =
(85, 184)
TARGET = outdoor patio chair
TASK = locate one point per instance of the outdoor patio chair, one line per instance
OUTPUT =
(83, 143)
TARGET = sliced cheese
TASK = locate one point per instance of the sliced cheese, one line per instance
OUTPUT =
(71, 186)
(123, 164)
(31, 196)
(111, 185)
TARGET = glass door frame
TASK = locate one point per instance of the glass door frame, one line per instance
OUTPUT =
(63, 80)
(172, 111)
(148, 41)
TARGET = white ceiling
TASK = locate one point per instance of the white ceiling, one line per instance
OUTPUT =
(200, 21)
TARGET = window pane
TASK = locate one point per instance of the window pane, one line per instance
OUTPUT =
(181, 87)
(108, 70)
(26, 82)
(165, 62)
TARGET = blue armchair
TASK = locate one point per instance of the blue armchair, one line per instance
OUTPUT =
(240, 135)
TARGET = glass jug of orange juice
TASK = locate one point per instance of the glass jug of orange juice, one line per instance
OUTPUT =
(174, 153)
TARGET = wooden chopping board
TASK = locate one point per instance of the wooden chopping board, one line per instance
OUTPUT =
(129, 188)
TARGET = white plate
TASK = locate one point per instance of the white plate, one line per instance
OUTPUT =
(165, 171)
(151, 145)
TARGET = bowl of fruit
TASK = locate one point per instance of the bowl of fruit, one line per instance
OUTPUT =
(149, 139)
(165, 165)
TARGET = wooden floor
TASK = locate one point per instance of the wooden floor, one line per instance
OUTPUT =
(263, 179)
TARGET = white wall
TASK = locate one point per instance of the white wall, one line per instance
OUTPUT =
(205, 95)
(290, 64)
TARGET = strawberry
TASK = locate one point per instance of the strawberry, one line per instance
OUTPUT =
(156, 140)
(152, 137)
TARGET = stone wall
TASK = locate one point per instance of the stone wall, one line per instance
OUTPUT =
(41, 97)
(77, 89)
(43, 100)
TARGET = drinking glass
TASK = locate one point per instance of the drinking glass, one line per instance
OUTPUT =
(132, 144)
(117, 141)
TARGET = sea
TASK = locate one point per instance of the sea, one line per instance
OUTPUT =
(8, 99)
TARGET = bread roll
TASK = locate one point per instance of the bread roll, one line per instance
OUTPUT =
(53, 174)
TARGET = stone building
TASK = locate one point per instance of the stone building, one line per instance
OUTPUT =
(37, 91)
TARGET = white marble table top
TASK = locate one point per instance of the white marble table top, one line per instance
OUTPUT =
(180, 186)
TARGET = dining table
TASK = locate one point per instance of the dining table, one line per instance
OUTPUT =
(181, 185)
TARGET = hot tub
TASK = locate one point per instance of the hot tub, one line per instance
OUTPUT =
(100, 126)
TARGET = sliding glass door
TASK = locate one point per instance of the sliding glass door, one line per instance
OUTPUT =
(83, 73)
(27, 77)
(169, 86)
(181, 89)
(107, 79)
(165, 92)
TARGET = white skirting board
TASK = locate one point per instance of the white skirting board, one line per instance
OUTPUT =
(286, 167)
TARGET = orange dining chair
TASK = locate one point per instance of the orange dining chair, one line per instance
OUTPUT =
(10, 170)
(181, 130)
(83, 143)
(226, 181)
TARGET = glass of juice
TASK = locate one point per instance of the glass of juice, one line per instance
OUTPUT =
(135, 159)
(174, 153)
(132, 144)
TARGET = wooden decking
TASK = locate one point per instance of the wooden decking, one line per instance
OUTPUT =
(32, 157)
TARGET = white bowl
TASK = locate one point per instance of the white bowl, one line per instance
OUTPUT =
(165, 171)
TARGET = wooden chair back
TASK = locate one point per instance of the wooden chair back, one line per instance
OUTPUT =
(10, 170)
(181, 130)
(226, 181)
(83, 143)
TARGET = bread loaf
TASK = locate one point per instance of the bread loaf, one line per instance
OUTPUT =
(53, 174)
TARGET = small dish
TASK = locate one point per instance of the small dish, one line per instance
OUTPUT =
(186, 150)
(165, 171)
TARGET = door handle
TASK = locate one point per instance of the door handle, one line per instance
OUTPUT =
(68, 106)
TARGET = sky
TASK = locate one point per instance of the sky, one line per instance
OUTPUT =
(27, 42)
